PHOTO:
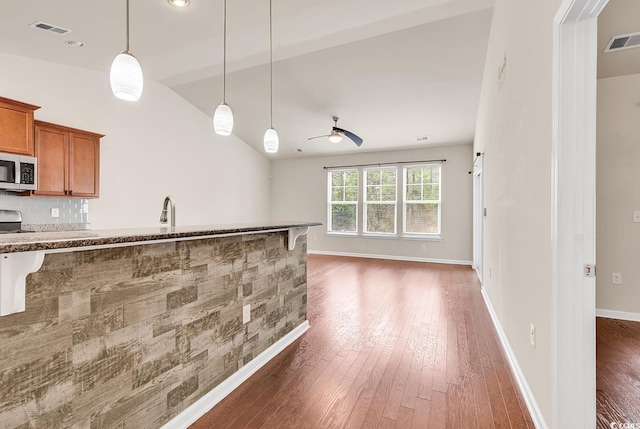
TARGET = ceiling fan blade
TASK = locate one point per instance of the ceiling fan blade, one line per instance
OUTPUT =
(318, 137)
(357, 140)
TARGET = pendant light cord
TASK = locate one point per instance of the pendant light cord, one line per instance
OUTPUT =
(224, 52)
(127, 26)
(270, 60)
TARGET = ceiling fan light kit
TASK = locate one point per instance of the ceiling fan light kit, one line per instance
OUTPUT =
(179, 3)
(337, 133)
(126, 74)
(223, 116)
(335, 137)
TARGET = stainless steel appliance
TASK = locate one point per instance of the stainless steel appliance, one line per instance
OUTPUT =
(11, 222)
(18, 172)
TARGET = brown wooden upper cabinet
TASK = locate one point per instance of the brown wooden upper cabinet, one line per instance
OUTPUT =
(16, 126)
(68, 161)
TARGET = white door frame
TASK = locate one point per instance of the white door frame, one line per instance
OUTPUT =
(573, 215)
(478, 215)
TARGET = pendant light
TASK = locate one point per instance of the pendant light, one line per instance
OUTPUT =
(271, 142)
(126, 74)
(223, 117)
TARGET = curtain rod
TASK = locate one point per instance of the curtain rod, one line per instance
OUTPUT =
(478, 155)
(380, 164)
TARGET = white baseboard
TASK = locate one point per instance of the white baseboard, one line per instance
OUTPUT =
(525, 390)
(613, 314)
(208, 401)
(390, 257)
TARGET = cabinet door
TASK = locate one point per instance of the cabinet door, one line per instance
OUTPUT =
(52, 149)
(16, 127)
(84, 171)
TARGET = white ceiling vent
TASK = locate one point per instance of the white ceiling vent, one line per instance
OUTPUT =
(49, 27)
(624, 41)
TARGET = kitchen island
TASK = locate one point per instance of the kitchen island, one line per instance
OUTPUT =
(145, 327)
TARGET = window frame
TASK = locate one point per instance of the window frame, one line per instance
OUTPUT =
(330, 203)
(421, 235)
(365, 202)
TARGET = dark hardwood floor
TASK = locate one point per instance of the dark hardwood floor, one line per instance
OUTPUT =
(391, 344)
(617, 372)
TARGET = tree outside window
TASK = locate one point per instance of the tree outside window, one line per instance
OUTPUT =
(380, 195)
(343, 201)
(422, 200)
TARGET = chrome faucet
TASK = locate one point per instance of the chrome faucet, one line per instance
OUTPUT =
(163, 216)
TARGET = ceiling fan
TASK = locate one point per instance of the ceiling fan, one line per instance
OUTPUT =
(337, 134)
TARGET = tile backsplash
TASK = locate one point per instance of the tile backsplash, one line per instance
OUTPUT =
(37, 210)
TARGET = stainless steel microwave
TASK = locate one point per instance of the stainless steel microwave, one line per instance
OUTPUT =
(18, 172)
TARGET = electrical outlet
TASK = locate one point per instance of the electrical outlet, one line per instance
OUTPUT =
(616, 278)
(55, 212)
(532, 335)
(424, 247)
(246, 313)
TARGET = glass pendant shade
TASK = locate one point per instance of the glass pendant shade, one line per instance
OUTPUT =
(335, 137)
(126, 77)
(223, 120)
(271, 141)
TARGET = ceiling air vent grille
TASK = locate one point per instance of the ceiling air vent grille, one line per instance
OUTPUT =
(624, 41)
(49, 27)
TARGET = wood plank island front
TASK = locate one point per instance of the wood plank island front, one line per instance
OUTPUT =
(144, 328)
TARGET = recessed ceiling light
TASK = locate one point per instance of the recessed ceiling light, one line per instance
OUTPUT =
(74, 43)
(422, 138)
(179, 3)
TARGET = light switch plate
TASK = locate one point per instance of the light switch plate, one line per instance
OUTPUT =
(55, 212)
(616, 278)
(636, 217)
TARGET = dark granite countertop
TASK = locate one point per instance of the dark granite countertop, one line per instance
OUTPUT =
(26, 242)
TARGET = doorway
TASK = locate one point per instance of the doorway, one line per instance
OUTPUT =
(573, 233)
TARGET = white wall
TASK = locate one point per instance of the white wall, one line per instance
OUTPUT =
(514, 130)
(299, 192)
(618, 177)
(157, 146)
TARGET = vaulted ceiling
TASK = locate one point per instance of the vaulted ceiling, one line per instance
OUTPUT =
(392, 71)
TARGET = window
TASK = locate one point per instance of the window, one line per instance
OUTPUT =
(343, 202)
(422, 200)
(379, 201)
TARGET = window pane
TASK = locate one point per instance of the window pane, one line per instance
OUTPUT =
(337, 194)
(381, 218)
(422, 218)
(389, 193)
(351, 178)
(373, 193)
(373, 177)
(431, 192)
(435, 175)
(351, 193)
(413, 192)
(343, 217)
(337, 178)
(414, 176)
(389, 177)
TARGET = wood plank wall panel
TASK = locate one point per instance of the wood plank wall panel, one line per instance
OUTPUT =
(392, 344)
(129, 337)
